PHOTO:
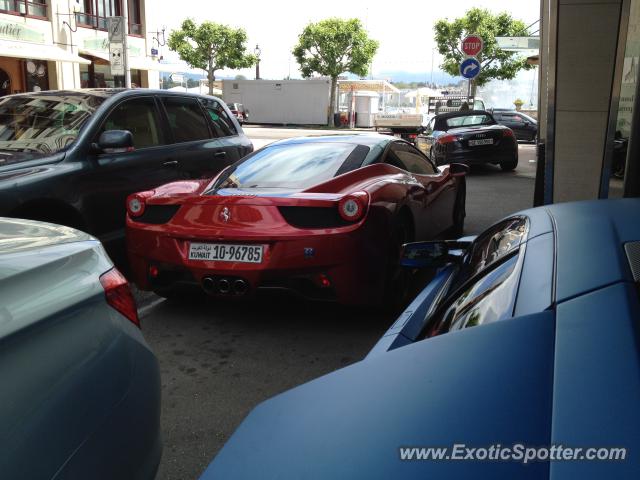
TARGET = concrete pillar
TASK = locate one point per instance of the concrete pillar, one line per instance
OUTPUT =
(579, 50)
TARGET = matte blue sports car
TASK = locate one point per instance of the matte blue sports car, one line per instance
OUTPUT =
(525, 347)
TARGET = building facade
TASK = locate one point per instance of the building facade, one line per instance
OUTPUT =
(63, 44)
(589, 100)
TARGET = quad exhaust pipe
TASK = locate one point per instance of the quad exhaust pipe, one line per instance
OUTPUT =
(224, 286)
(240, 287)
(208, 284)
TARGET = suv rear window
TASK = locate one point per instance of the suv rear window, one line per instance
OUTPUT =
(186, 119)
(220, 122)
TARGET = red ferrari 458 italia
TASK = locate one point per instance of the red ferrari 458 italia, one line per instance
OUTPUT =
(323, 217)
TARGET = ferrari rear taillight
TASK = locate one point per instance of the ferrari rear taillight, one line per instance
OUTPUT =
(353, 207)
(136, 203)
(444, 139)
(118, 294)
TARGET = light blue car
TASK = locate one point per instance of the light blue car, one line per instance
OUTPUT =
(80, 388)
(519, 360)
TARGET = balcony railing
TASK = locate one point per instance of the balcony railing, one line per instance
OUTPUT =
(24, 8)
(92, 21)
(100, 22)
(135, 29)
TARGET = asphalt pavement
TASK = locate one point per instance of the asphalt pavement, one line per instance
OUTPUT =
(220, 359)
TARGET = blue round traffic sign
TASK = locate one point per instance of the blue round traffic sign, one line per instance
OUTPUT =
(470, 68)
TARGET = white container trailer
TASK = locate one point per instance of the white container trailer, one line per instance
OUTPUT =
(284, 102)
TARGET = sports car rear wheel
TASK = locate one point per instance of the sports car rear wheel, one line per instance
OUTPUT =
(397, 278)
(510, 165)
(459, 211)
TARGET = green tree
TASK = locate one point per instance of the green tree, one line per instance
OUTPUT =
(332, 47)
(211, 46)
(495, 62)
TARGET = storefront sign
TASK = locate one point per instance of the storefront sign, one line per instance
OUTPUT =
(20, 32)
(102, 45)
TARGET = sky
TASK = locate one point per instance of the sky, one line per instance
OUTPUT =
(404, 29)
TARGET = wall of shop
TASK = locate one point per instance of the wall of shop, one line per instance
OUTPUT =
(15, 28)
(60, 29)
(581, 92)
(15, 70)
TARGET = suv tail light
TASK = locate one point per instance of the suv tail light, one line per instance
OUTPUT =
(353, 207)
(119, 296)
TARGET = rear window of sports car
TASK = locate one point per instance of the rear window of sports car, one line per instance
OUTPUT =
(298, 165)
(470, 121)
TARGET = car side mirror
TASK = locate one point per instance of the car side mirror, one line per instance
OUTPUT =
(433, 254)
(458, 169)
(115, 141)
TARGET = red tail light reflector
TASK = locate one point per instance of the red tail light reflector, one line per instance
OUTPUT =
(119, 296)
(353, 207)
(324, 281)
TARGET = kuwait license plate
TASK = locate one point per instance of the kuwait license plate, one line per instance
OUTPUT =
(224, 252)
(483, 141)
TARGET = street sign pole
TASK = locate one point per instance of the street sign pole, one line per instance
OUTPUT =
(118, 51)
(470, 68)
(127, 72)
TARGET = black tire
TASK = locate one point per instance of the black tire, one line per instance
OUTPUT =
(510, 165)
(397, 277)
(459, 211)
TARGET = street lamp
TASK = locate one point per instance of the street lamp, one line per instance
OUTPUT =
(257, 52)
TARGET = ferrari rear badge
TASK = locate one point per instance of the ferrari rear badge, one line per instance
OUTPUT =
(225, 215)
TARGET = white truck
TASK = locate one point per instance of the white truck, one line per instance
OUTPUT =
(409, 125)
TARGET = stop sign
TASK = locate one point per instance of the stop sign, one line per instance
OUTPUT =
(472, 45)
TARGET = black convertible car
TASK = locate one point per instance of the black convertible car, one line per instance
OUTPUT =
(471, 137)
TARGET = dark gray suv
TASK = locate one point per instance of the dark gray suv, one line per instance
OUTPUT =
(72, 157)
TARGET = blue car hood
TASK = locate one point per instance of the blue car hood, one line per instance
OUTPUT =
(590, 238)
(480, 386)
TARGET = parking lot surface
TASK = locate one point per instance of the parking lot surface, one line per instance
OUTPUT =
(220, 359)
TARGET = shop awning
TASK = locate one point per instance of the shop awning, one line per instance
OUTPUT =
(95, 53)
(146, 63)
(137, 63)
(37, 51)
